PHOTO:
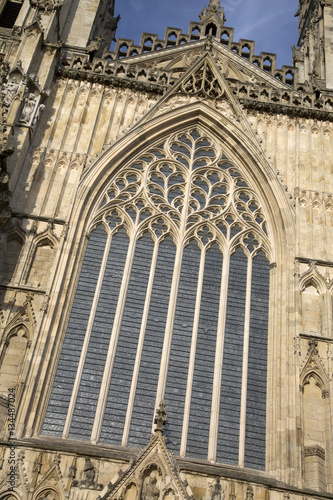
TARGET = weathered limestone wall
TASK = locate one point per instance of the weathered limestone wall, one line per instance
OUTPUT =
(84, 476)
(79, 121)
(83, 118)
(300, 152)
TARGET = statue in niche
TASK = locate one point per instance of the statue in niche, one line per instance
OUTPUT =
(89, 475)
(38, 112)
(28, 108)
(217, 493)
(150, 491)
(9, 91)
(89, 472)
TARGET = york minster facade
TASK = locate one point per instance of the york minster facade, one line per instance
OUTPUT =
(166, 229)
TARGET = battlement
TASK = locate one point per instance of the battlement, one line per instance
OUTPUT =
(299, 99)
(150, 42)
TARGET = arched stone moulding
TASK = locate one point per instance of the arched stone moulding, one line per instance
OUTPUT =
(260, 175)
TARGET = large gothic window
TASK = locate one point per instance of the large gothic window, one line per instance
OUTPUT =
(171, 303)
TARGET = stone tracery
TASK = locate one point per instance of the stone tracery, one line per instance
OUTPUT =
(189, 180)
(172, 215)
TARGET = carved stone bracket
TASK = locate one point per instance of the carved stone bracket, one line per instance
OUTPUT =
(315, 450)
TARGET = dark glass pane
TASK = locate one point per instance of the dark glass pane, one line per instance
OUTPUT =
(9, 14)
(198, 433)
(116, 407)
(255, 440)
(76, 330)
(143, 411)
(229, 419)
(91, 379)
(181, 346)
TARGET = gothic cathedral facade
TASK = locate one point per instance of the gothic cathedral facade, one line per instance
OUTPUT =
(166, 296)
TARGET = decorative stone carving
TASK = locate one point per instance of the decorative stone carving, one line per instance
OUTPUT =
(94, 45)
(47, 5)
(203, 84)
(316, 450)
(216, 491)
(36, 118)
(89, 475)
(9, 90)
(249, 493)
(28, 108)
(152, 476)
(150, 491)
(160, 418)
(313, 368)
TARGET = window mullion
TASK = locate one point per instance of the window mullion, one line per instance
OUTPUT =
(190, 375)
(216, 396)
(103, 394)
(168, 328)
(87, 339)
(241, 456)
(136, 369)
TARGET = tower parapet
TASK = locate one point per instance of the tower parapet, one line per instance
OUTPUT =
(315, 40)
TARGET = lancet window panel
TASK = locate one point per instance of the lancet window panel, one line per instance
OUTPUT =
(171, 303)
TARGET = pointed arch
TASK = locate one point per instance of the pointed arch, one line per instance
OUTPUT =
(312, 277)
(14, 239)
(42, 254)
(51, 487)
(11, 495)
(314, 385)
(313, 290)
(13, 353)
(240, 147)
(313, 368)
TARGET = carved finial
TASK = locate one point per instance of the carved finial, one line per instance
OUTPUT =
(160, 418)
(214, 7)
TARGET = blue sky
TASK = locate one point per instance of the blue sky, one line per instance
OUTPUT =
(270, 24)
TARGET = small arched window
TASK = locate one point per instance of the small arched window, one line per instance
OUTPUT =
(211, 29)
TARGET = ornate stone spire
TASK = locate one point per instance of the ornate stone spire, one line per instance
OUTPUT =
(214, 8)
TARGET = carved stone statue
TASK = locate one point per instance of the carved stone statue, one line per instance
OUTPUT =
(89, 472)
(89, 475)
(150, 490)
(28, 109)
(40, 108)
(9, 91)
(94, 45)
(217, 493)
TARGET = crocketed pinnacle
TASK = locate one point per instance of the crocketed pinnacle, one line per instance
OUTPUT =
(214, 7)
